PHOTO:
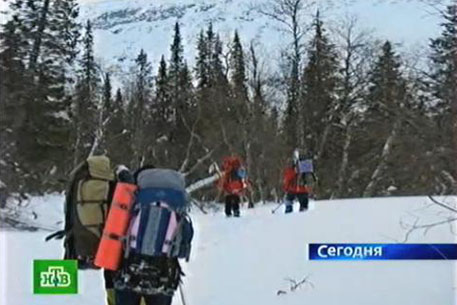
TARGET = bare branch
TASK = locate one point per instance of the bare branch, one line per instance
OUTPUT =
(199, 205)
(426, 227)
(189, 145)
(442, 204)
(294, 284)
(199, 162)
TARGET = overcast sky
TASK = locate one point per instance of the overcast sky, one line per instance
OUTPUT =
(403, 22)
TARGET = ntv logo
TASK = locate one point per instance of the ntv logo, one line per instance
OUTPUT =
(55, 276)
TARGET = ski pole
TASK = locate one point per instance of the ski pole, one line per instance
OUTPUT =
(275, 209)
(181, 293)
(279, 205)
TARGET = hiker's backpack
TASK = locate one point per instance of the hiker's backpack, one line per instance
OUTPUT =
(160, 232)
(234, 168)
(86, 207)
(305, 166)
(305, 170)
(160, 225)
(230, 163)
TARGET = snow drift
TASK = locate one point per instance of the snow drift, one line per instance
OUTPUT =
(256, 258)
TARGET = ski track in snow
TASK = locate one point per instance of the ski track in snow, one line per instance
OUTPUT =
(245, 261)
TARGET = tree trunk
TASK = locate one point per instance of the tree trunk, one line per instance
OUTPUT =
(39, 35)
(344, 164)
(454, 116)
(386, 151)
(323, 140)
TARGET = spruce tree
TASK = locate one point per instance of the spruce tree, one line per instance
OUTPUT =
(240, 108)
(140, 110)
(318, 104)
(238, 75)
(47, 31)
(174, 74)
(106, 110)
(116, 133)
(179, 97)
(212, 85)
(86, 115)
(319, 87)
(202, 69)
(383, 119)
(187, 89)
(443, 86)
(107, 99)
(163, 92)
(177, 57)
(217, 74)
(14, 85)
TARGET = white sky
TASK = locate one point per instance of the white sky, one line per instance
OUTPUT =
(404, 21)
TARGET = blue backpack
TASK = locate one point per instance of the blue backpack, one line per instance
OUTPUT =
(160, 232)
(160, 225)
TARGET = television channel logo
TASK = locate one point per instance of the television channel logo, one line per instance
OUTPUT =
(55, 277)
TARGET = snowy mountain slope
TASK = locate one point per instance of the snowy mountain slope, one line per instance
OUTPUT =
(246, 261)
(122, 27)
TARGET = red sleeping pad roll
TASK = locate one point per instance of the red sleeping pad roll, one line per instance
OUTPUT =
(110, 249)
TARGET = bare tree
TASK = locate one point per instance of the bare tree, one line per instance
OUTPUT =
(355, 47)
(290, 14)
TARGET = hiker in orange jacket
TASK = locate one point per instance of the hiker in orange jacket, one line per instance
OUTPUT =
(295, 183)
(234, 184)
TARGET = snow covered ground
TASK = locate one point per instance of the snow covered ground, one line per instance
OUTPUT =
(246, 261)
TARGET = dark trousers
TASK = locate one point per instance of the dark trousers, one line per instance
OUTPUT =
(126, 297)
(108, 276)
(232, 204)
(109, 287)
(302, 199)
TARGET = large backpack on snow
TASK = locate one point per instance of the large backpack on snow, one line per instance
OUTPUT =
(160, 232)
(86, 207)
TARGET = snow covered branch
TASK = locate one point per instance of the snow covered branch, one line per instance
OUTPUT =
(203, 182)
(451, 179)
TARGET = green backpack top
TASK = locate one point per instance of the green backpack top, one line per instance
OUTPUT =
(86, 208)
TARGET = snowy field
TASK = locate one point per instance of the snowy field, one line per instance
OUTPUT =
(246, 261)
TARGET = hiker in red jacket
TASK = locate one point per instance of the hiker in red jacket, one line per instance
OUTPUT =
(295, 183)
(234, 184)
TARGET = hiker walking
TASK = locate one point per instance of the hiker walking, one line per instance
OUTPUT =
(160, 232)
(296, 181)
(233, 183)
(87, 201)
